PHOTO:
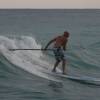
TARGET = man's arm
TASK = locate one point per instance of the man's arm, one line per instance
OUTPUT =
(64, 47)
(50, 43)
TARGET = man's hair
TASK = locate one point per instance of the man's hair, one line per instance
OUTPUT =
(66, 33)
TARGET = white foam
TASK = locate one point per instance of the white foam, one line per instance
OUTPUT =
(27, 60)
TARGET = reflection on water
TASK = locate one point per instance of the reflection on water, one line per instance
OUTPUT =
(56, 86)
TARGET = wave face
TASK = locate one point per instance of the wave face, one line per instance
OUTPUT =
(30, 61)
(19, 69)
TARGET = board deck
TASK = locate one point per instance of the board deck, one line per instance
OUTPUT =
(71, 77)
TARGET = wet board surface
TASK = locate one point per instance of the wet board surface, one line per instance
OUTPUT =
(72, 77)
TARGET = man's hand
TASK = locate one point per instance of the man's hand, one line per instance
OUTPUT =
(44, 50)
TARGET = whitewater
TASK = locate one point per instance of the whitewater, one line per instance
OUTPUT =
(30, 61)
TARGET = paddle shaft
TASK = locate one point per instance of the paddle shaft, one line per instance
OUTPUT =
(29, 49)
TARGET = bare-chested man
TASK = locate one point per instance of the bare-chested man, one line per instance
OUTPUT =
(60, 43)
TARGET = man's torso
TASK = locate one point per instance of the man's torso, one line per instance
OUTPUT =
(60, 41)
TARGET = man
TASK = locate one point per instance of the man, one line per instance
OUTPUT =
(60, 43)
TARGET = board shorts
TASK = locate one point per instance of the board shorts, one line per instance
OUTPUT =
(59, 53)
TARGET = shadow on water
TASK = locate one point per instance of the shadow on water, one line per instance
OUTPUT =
(56, 86)
(88, 83)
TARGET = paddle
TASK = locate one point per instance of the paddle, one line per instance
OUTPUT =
(29, 49)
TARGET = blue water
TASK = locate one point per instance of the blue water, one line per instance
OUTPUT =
(22, 74)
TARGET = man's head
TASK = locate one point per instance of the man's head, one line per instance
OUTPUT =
(66, 34)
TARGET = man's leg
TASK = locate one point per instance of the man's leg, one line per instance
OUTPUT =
(55, 65)
(64, 66)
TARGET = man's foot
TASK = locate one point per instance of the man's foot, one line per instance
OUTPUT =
(53, 70)
(64, 73)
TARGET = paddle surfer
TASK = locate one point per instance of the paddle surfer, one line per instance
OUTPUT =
(59, 47)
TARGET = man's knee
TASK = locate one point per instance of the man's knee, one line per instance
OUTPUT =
(58, 60)
(64, 60)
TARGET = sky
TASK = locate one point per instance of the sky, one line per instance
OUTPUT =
(42, 4)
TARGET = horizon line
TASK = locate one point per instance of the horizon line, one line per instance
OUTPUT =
(50, 8)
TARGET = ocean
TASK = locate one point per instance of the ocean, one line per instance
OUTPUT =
(22, 72)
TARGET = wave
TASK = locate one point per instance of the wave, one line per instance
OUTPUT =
(82, 61)
(30, 61)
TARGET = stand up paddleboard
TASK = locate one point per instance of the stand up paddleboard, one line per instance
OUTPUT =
(74, 78)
